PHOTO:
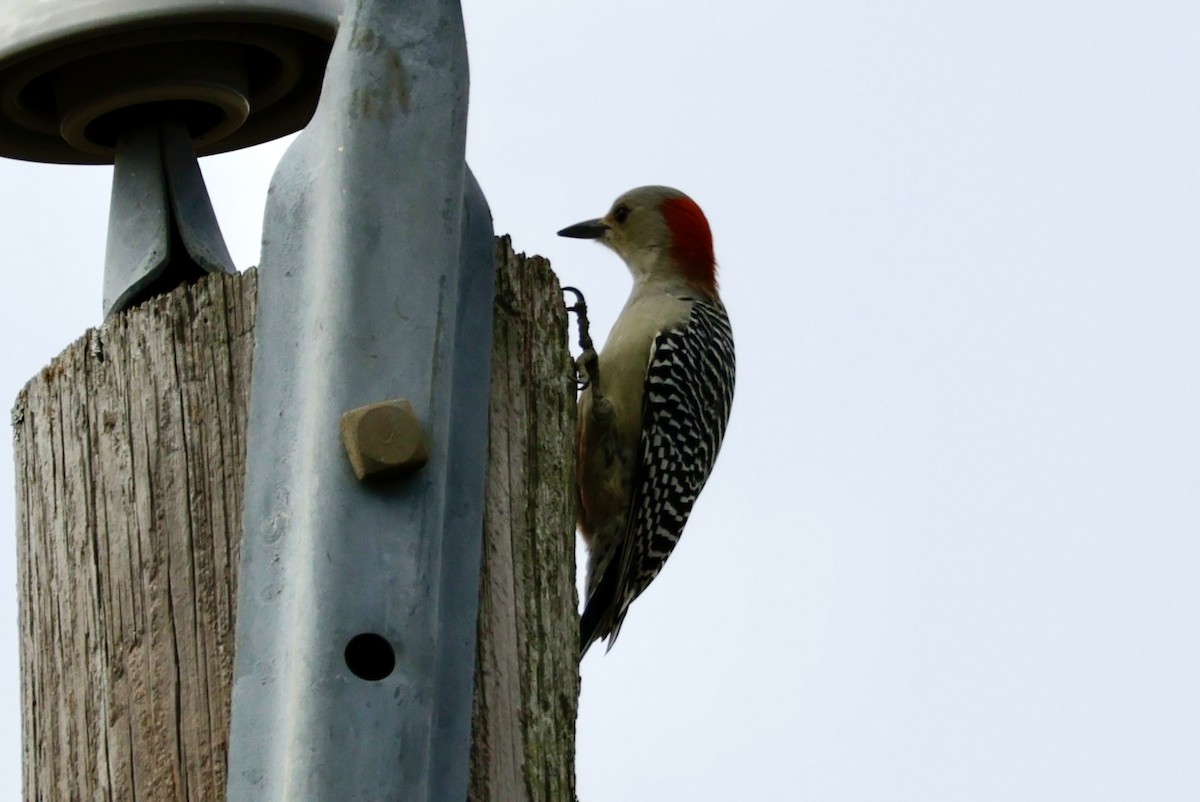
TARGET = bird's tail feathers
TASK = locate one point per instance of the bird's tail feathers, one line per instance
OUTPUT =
(602, 615)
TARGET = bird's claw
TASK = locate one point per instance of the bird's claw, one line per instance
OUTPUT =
(588, 364)
(580, 305)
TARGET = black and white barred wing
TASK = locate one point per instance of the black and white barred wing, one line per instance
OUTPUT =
(688, 395)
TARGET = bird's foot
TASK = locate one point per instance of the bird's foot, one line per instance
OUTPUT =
(587, 366)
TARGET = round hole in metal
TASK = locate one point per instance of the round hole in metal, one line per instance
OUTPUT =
(370, 657)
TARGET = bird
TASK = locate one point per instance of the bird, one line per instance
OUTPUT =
(657, 399)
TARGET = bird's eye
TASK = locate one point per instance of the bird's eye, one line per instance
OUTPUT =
(621, 213)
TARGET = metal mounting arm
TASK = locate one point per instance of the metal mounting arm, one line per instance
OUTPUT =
(358, 598)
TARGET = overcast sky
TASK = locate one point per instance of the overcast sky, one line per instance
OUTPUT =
(952, 544)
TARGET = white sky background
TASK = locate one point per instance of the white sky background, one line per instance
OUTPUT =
(951, 547)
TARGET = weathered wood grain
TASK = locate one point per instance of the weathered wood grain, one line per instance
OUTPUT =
(130, 454)
(527, 666)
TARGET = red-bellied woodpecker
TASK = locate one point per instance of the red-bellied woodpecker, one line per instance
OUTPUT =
(653, 414)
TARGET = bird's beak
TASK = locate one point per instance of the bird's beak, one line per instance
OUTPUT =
(588, 229)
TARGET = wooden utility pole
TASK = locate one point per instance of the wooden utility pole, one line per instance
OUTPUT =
(130, 452)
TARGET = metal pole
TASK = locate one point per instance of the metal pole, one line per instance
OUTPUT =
(358, 599)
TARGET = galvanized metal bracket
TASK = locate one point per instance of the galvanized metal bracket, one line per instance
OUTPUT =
(162, 230)
(357, 601)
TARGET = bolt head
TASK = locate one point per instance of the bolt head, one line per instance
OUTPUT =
(384, 439)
